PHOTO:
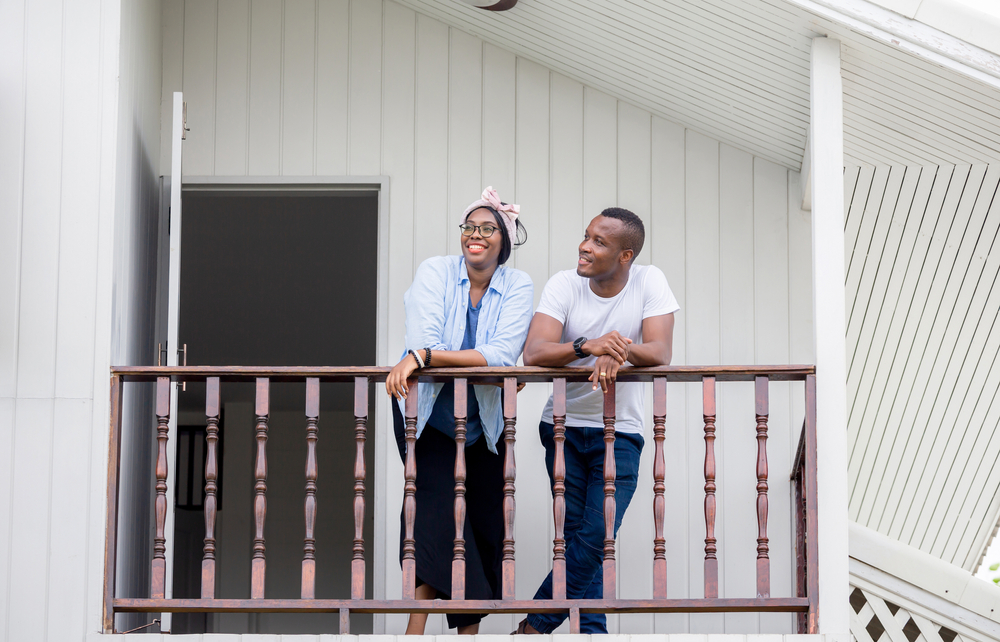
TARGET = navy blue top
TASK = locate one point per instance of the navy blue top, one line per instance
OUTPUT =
(443, 414)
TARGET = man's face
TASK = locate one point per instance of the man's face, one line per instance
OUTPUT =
(600, 254)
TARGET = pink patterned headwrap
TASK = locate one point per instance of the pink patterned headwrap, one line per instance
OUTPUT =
(508, 211)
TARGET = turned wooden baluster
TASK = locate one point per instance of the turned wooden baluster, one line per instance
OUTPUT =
(159, 565)
(211, 486)
(763, 563)
(711, 562)
(312, 471)
(458, 562)
(360, 434)
(509, 472)
(409, 493)
(559, 489)
(659, 488)
(610, 570)
(258, 564)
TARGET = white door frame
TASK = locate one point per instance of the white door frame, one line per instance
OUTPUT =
(376, 552)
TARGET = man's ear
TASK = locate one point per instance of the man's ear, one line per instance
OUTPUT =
(626, 256)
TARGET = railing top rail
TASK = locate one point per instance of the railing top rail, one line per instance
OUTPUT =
(477, 375)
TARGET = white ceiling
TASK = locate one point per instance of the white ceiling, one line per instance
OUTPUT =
(739, 72)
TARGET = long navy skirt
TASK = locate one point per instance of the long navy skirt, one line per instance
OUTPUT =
(434, 529)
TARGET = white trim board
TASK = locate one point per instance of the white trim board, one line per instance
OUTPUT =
(909, 35)
(924, 579)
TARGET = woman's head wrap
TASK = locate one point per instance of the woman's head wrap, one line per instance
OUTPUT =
(506, 211)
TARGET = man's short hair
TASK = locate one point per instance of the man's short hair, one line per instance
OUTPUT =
(634, 234)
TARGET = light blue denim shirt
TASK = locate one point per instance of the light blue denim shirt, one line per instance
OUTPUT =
(436, 305)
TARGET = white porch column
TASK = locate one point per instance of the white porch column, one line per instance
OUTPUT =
(826, 150)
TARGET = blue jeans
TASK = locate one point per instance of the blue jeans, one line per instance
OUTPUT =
(584, 528)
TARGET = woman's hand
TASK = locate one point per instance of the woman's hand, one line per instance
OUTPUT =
(395, 383)
(605, 371)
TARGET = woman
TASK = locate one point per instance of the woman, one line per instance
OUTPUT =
(464, 311)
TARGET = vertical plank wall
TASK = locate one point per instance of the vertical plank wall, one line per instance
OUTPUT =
(64, 128)
(352, 87)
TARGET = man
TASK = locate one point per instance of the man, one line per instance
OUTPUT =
(607, 313)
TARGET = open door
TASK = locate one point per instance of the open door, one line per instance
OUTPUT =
(175, 354)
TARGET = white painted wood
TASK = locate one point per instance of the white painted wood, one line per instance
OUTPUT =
(862, 185)
(171, 24)
(499, 115)
(200, 47)
(74, 359)
(398, 163)
(364, 141)
(264, 121)
(7, 405)
(932, 334)
(826, 139)
(567, 218)
(886, 378)
(12, 140)
(232, 59)
(67, 568)
(298, 88)
(465, 126)
(31, 522)
(907, 218)
(918, 38)
(634, 181)
(600, 149)
(332, 88)
(41, 196)
(532, 143)
(431, 141)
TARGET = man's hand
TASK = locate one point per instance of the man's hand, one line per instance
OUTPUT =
(605, 371)
(612, 344)
(395, 383)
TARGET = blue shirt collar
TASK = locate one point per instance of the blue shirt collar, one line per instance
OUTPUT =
(496, 283)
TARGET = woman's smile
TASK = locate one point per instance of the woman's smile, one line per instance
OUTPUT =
(476, 247)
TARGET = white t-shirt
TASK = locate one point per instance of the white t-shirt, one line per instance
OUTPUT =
(567, 298)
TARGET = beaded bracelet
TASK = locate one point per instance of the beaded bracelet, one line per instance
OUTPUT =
(420, 362)
(427, 356)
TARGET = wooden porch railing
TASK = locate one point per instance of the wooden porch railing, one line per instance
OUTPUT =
(803, 474)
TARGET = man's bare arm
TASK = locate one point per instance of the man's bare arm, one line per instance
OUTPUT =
(656, 348)
(542, 348)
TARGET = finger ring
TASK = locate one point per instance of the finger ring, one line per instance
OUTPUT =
(604, 374)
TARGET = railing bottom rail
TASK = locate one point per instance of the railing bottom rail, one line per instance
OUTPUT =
(697, 605)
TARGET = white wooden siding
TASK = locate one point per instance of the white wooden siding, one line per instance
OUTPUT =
(923, 343)
(443, 114)
(739, 72)
(59, 73)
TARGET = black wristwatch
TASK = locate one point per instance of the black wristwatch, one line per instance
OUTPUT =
(578, 348)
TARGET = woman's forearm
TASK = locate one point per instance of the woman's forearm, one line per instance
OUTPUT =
(457, 358)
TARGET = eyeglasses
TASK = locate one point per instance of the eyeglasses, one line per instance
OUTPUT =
(486, 231)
